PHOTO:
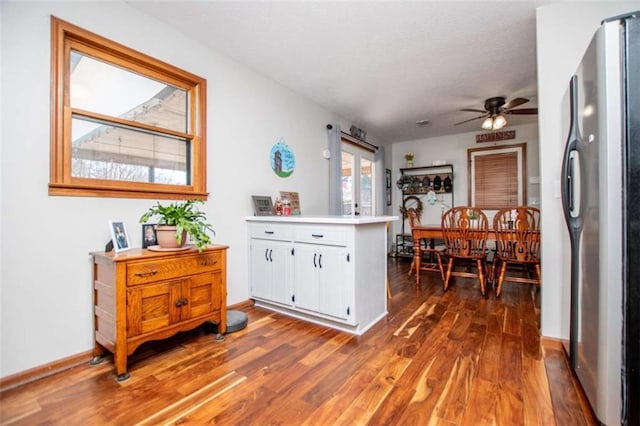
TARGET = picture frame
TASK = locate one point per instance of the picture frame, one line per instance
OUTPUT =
(262, 205)
(149, 237)
(119, 235)
(294, 201)
(388, 174)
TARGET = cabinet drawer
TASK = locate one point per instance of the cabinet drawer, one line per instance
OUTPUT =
(160, 269)
(268, 231)
(329, 236)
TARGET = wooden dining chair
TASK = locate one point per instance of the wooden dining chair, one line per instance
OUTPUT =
(465, 231)
(430, 255)
(517, 232)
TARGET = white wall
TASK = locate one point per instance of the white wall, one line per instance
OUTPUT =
(564, 31)
(45, 277)
(453, 149)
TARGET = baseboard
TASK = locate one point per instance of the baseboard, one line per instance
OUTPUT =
(551, 343)
(54, 367)
(45, 370)
(241, 305)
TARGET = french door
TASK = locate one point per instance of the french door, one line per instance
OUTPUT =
(358, 181)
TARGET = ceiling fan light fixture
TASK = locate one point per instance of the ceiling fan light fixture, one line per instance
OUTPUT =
(487, 124)
(499, 122)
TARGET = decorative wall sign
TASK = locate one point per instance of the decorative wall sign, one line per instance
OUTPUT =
(283, 162)
(496, 136)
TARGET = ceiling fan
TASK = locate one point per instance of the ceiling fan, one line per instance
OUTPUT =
(495, 110)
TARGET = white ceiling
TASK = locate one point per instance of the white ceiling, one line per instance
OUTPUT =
(383, 65)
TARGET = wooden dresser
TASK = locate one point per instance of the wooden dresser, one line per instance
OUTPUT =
(142, 295)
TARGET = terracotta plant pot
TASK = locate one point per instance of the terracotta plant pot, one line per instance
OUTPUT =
(166, 237)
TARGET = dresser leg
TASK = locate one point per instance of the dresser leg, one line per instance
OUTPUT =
(219, 337)
(122, 377)
(96, 360)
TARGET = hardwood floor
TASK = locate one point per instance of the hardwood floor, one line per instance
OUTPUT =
(450, 358)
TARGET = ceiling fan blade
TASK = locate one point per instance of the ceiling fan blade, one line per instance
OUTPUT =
(471, 119)
(523, 111)
(473, 110)
(514, 103)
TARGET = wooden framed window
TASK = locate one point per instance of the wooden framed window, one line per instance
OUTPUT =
(497, 176)
(123, 124)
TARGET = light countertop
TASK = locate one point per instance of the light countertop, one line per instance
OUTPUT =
(327, 219)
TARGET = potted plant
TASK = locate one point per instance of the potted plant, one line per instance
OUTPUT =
(180, 219)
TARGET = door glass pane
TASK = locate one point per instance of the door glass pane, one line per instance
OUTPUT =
(366, 187)
(106, 89)
(102, 151)
(347, 182)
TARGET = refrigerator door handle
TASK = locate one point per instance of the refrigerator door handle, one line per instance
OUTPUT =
(571, 170)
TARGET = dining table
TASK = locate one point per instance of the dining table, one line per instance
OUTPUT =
(430, 233)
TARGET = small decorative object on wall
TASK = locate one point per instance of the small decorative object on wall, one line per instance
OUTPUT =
(262, 205)
(411, 201)
(357, 133)
(409, 158)
(149, 237)
(293, 200)
(283, 162)
(119, 236)
(496, 136)
(388, 173)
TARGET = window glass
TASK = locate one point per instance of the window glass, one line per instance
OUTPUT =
(348, 164)
(101, 151)
(106, 89)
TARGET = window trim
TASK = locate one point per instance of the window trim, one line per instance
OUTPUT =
(64, 36)
(520, 149)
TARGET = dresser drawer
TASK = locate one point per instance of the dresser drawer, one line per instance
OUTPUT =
(320, 235)
(267, 231)
(161, 269)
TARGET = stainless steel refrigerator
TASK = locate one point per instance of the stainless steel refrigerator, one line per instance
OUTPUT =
(601, 201)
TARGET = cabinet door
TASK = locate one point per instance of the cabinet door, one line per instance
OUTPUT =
(306, 277)
(260, 269)
(153, 306)
(271, 270)
(322, 280)
(335, 285)
(200, 295)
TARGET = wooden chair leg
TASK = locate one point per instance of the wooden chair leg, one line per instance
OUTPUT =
(503, 270)
(439, 257)
(481, 275)
(448, 276)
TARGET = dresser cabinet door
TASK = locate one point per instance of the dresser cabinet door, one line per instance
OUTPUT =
(154, 306)
(199, 295)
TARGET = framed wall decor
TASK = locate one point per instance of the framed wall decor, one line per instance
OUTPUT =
(388, 173)
(262, 205)
(119, 236)
(149, 235)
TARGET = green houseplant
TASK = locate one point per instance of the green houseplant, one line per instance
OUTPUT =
(181, 218)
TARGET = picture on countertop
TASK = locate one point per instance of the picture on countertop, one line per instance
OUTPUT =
(293, 199)
(149, 235)
(119, 236)
(262, 205)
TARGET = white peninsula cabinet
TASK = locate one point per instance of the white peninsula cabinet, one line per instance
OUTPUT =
(330, 270)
